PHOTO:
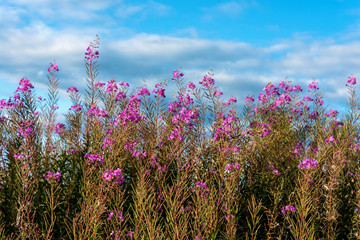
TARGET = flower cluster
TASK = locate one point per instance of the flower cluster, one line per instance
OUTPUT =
(264, 128)
(143, 92)
(314, 115)
(107, 143)
(250, 98)
(231, 166)
(72, 89)
(26, 129)
(177, 75)
(330, 139)
(313, 85)
(207, 82)
(91, 54)
(308, 163)
(95, 111)
(275, 171)
(99, 85)
(230, 101)
(77, 107)
(160, 92)
(53, 67)
(52, 177)
(94, 158)
(201, 186)
(21, 156)
(114, 175)
(119, 216)
(299, 147)
(59, 128)
(333, 113)
(185, 115)
(225, 128)
(290, 208)
(351, 80)
(25, 85)
(130, 114)
(191, 85)
(218, 93)
(111, 87)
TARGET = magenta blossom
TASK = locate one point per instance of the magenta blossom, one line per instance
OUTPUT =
(115, 176)
(52, 177)
(53, 67)
(99, 85)
(94, 158)
(207, 81)
(313, 85)
(160, 93)
(77, 107)
(308, 164)
(177, 75)
(143, 92)
(111, 87)
(191, 85)
(351, 80)
(290, 208)
(218, 93)
(72, 89)
(25, 85)
(59, 128)
(251, 98)
(231, 100)
(91, 54)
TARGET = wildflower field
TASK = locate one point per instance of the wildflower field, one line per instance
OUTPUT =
(127, 164)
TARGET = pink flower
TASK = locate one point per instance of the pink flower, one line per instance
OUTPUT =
(72, 89)
(114, 175)
(288, 208)
(59, 128)
(77, 108)
(25, 85)
(308, 163)
(53, 67)
(251, 98)
(160, 93)
(231, 100)
(351, 80)
(111, 214)
(313, 85)
(143, 92)
(90, 54)
(52, 177)
(276, 172)
(99, 85)
(207, 81)
(297, 88)
(111, 87)
(218, 93)
(94, 158)
(191, 85)
(177, 75)
(319, 101)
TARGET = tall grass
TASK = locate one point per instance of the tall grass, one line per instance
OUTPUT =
(128, 165)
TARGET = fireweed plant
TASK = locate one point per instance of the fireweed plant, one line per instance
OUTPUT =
(130, 165)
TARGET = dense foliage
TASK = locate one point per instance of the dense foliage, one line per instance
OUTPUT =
(128, 165)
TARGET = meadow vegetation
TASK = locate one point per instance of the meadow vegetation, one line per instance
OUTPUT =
(126, 164)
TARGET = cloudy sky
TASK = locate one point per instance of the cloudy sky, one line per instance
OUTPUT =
(247, 43)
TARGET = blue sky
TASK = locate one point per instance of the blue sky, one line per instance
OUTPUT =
(247, 43)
